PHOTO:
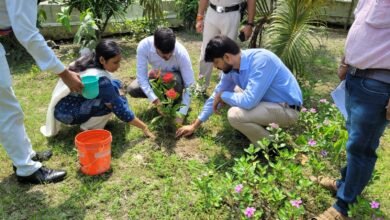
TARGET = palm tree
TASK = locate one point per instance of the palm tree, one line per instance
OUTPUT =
(291, 24)
(264, 11)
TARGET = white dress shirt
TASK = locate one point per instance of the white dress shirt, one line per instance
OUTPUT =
(21, 16)
(179, 61)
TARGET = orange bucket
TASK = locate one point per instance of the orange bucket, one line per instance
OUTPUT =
(94, 151)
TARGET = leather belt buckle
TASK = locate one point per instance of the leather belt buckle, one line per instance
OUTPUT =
(220, 9)
(352, 70)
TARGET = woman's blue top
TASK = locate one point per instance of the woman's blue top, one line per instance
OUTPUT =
(75, 109)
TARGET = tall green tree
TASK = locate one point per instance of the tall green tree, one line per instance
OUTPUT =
(288, 26)
(94, 17)
(153, 10)
(292, 24)
(102, 10)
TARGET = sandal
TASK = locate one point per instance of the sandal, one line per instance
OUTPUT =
(326, 182)
(331, 214)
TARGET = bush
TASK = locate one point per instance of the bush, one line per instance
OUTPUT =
(187, 10)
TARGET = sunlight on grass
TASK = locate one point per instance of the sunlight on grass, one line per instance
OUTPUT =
(152, 180)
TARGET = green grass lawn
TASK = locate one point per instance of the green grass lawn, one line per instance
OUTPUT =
(149, 179)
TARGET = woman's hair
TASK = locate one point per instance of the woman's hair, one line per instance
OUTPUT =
(105, 48)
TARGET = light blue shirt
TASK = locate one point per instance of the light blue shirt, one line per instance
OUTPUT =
(263, 78)
(179, 62)
(21, 15)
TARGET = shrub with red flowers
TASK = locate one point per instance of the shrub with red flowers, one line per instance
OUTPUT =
(163, 85)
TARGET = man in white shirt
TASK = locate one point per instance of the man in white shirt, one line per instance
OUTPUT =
(19, 17)
(163, 52)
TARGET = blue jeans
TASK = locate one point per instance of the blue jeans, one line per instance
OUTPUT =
(366, 100)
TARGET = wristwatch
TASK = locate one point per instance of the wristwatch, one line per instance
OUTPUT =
(250, 24)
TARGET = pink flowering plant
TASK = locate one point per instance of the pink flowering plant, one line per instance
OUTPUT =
(271, 179)
(365, 207)
(163, 85)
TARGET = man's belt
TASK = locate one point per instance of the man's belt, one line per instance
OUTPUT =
(382, 75)
(221, 9)
(5, 32)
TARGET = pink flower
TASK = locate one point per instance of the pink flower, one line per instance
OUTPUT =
(323, 101)
(324, 153)
(326, 122)
(171, 94)
(304, 109)
(168, 77)
(374, 205)
(312, 142)
(313, 110)
(274, 125)
(249, 212)
(238, 188)
(296, 203)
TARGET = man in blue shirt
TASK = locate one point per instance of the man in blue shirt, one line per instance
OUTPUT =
(268, 91)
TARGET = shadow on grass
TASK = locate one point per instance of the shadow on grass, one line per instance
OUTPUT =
(64, 141)
(164, 130)
(20, 202)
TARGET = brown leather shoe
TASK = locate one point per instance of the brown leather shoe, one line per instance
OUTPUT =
(331, 214)
(43, 175)
(326, 182)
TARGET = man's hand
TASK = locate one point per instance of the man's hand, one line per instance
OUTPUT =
(247, 29)
(72, 80)
(342, 71)
(185, 131)
(157, 103)
(199, 26)
(218, 103)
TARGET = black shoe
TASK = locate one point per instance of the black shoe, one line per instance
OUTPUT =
(43, 175)
(39, 157)
(42, 156)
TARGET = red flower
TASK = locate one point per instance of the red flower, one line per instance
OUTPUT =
(171, 94)
(168, 77)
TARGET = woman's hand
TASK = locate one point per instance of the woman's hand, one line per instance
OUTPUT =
(148, 133)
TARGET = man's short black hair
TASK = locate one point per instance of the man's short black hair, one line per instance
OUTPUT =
(164, 40)
(218, 46)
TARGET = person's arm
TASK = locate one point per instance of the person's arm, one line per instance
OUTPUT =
(200, 16)
(142, 70)
(23, 17)
(342, 70)
(187, 130)
(188, 77)
(225, 84)
(141, 125)
(262, 73)
(248, 28)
